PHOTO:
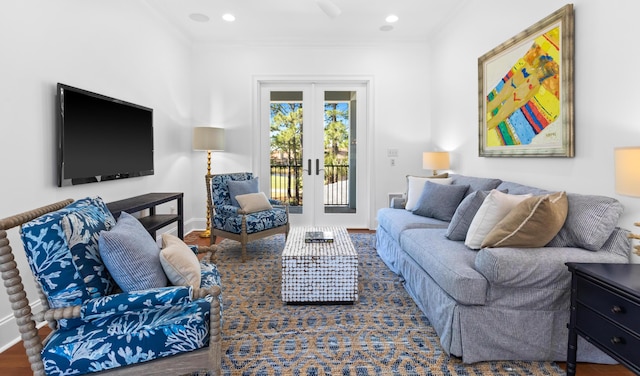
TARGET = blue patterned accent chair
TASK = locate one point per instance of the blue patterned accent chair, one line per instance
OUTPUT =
(231, 222)
(96, 327)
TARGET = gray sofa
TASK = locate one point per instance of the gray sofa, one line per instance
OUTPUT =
(501, 303)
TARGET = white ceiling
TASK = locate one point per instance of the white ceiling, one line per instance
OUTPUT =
(303, 21)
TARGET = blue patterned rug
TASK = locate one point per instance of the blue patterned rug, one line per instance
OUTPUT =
(383, 333)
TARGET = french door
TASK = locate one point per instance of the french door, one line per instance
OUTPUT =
(313, 146)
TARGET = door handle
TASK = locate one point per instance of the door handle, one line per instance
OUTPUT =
(318, 169)
(309, 166)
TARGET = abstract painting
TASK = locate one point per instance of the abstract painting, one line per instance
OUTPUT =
(526, 92)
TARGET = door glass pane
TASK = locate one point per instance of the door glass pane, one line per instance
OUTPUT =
(340, 152)
(286, 119)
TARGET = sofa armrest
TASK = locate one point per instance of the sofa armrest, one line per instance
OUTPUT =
(398, 203)
(122, 303)
(275, 202)
(535, 267)
(227, 210)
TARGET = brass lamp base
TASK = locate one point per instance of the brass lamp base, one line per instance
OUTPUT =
(636, 236)
(205, 234)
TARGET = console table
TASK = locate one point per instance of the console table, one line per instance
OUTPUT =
(605, 306)
(153, 221)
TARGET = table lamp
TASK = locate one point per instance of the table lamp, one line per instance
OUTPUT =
(435, 160)
(627, 161)
(209, 139)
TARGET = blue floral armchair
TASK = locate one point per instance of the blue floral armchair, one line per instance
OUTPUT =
(160, 331)
(231, 222)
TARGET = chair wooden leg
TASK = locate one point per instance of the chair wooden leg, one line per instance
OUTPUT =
(244, 238)
(215, 338)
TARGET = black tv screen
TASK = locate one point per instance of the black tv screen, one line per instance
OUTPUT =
(101, 138)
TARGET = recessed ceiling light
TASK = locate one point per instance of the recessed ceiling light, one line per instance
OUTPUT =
(391, 18)
(228, 17)
(199, 17)
(386, 28)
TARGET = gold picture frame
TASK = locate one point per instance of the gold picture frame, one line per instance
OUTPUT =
(525, 92)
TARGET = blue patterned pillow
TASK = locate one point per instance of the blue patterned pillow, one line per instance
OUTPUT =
(82, 230)
(131, 255)
(241, 187)
(62, 251)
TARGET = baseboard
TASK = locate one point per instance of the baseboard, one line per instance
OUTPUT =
(9, 334)
(190, 225)
(195, 224)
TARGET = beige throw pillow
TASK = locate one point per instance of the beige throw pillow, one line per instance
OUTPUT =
(494, 207)
(533, 223)
(254, 202)
(179, 262)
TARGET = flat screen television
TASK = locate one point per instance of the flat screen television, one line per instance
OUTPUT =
(101, 138)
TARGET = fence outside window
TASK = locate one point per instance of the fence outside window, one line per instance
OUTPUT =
(286, 184)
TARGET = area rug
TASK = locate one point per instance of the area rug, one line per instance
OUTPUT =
(383, 333)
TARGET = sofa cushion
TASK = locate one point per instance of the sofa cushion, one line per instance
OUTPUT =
(618, 244)
(62, 251)
(535, 268)
(449, 263)
(462, 217)
(475, 183)
(241, 187)
(415, 184)
(220, 188)
(590, 222)
(395, 221)
(254, 202)
(178, 261)
(494, 207)
(439, 201)
(131, 255)
(256, 222)
(532, 223)
(521, 189)
(132, 337)
(82, 227)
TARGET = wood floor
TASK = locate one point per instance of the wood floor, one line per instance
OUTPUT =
(13, 362)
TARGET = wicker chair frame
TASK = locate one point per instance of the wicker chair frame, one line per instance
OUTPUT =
(207, 359)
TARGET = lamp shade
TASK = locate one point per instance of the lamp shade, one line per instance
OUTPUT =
(208, 138)
(628, 171)
(435, 160)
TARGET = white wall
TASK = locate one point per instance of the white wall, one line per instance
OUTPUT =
(222, 95)
(423, 97)
(117, 48)
(606, 98)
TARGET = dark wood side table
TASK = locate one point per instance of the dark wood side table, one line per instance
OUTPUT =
(153, 221)
(605, 310)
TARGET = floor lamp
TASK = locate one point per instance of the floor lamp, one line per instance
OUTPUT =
(628, 177)
(209, 139)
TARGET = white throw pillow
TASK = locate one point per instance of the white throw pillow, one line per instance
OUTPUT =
(254, 202)
(494, 207)
(415, 185)
(179, 262)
